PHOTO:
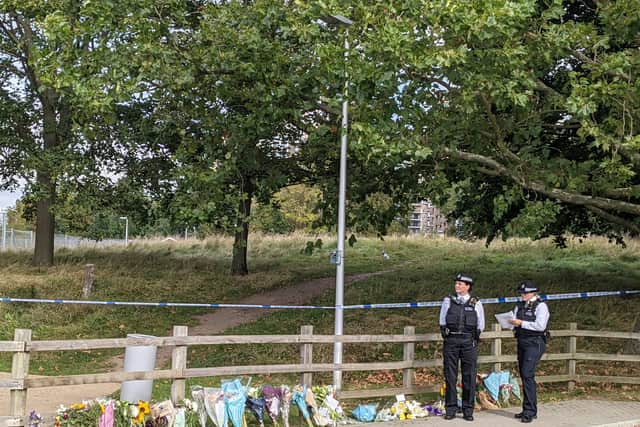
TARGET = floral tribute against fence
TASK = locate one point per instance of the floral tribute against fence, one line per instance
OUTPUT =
(235, 404)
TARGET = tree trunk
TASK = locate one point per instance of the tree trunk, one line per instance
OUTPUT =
(45, 221)
(239, 261)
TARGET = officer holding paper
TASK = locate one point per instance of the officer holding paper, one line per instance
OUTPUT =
(461, 322)
(531, 318)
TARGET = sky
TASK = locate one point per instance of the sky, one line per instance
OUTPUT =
(8, 200)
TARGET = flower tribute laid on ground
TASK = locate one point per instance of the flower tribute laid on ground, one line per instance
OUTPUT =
(227, 407)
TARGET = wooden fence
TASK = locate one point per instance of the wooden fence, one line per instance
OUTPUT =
(22, 346)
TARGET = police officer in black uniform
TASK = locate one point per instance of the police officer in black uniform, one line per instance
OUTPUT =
(531, 318)
(461, 322)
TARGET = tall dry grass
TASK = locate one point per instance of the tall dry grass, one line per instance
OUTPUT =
(419, 269)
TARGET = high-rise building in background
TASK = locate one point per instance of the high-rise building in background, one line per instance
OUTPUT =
(427, 219)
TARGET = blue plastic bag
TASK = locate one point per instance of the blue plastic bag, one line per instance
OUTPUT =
(365, 413)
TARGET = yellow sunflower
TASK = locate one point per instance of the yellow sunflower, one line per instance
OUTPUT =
(144, 407)
(140, 411)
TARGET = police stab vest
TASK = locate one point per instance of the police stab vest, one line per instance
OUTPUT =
(462, 316)
(527, 313)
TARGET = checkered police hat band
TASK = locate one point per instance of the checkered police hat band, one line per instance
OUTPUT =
(462, 278)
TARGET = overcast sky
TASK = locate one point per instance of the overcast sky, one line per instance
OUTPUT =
(8, 200)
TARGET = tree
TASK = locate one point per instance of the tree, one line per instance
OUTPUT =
(16, 217)
(523, 107)
(247, 88)
(63, 65)
(299, 204)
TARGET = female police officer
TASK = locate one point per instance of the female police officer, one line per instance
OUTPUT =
(461, 322)
(531, 320)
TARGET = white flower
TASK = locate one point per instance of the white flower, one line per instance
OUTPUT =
(134, 410)
(190, 404)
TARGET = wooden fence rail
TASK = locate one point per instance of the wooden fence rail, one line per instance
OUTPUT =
(22, 346)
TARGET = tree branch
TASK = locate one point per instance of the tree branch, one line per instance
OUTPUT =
(610, 72)
(628, 225)
(626, 192)
(554, 193)
(543, 87)
(428, 79)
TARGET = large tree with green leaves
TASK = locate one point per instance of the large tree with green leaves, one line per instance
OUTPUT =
(528, 110)
(63, 66)
(246, 83)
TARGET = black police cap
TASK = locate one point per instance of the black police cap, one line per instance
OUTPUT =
(527, 286)
(464, 278)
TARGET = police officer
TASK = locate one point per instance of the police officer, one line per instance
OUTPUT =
(531, 317)
(461, 322)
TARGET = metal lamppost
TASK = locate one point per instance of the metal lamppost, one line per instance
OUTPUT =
(126, 230)
(338, 259)
(3, 219)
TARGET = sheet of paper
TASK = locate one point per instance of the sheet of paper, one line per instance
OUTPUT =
(331, 402)
(503, 319)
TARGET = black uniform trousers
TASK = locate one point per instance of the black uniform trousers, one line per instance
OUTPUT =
(530, 350)
(463, 349)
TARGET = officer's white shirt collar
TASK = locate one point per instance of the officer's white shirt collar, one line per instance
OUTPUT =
(463, 298)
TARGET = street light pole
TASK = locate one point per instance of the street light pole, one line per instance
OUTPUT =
(3, 217)
(339, 20)
(126, 230)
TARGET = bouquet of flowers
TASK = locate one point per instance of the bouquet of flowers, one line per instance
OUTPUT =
(436, 408)
(272, 397)
(197, 404)
(235, 398)
(116, 413)
(285, 403)
(299, 398)
(105, 413)
(214, 406)
(256, 405)
(385, 414)
(34, 419)
(329, 408)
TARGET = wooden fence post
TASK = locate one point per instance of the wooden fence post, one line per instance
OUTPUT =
(19, 371)
(496, 348)
(87, 285)
(572, 345)
(306, 354)
(409, 352)
(179, 361)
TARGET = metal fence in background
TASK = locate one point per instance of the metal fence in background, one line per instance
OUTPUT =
(17, 240)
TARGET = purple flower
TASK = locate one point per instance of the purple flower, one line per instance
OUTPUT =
(34, 419)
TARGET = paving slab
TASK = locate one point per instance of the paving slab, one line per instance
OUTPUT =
(569, 413)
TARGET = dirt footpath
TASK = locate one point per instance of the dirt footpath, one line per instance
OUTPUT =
(47, 399)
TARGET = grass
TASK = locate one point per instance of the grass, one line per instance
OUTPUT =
(420, 269)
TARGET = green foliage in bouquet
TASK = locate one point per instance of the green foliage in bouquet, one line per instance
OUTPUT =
(79, 414)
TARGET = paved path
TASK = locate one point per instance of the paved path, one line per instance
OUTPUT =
(570, 413)
(47, 399)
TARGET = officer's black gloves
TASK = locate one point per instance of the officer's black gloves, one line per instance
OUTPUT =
(476, 335)
(444, 331)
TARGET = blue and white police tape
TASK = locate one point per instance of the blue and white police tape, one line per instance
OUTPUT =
(545, 297)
